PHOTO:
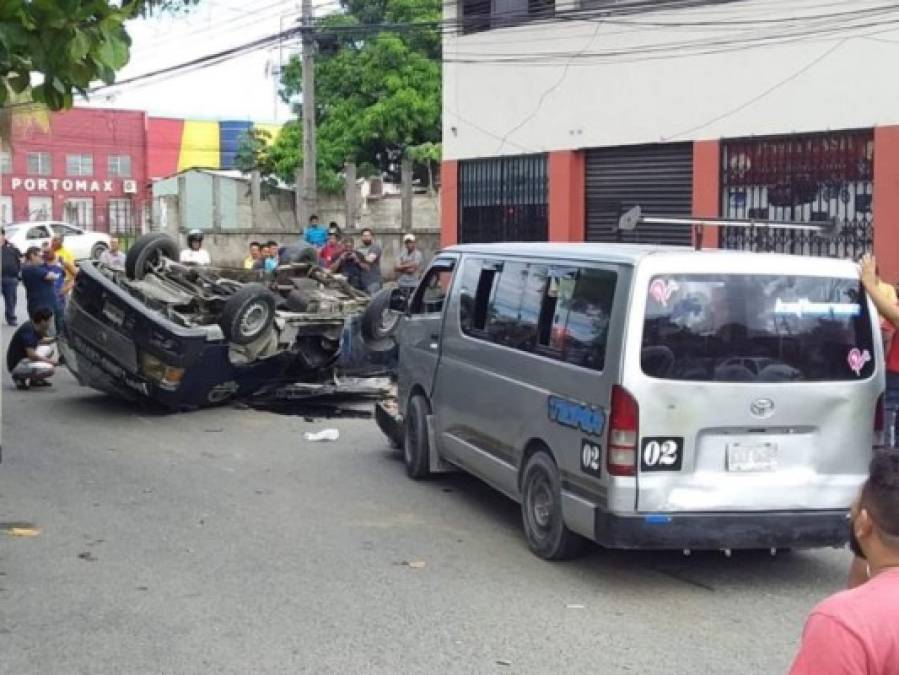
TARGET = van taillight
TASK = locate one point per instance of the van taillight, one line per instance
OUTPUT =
(622, 456)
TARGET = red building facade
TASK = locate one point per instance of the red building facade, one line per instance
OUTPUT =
(85, 166)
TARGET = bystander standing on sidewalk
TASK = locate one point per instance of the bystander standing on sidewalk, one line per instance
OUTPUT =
(315, 235)
(409, 264)
(39, 281)
(333, 249)
(255, 252)
(67, 261)
(370, 262)
(114, 256)
(889, 311)
(54, 263)
(11, 268)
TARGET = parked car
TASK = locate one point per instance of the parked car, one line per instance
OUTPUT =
(82, 243)
(642, 397)
(186, 337)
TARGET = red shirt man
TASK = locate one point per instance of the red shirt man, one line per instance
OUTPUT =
(332, 250)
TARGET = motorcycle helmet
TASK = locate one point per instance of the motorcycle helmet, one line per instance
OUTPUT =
(194, 236)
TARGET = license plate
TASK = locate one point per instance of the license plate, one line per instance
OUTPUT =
(745, 457)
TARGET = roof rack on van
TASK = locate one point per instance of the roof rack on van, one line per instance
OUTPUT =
(634, 216)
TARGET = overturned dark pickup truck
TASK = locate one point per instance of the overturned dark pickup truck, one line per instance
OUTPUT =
(185, 337)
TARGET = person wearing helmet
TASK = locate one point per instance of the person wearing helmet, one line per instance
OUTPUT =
(195, 254)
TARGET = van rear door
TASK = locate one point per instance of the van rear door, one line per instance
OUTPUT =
(756, 391)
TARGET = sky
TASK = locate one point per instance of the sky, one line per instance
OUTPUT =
(240, 89)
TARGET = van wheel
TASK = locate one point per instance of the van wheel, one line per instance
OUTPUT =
(416, 450)
(541, 511)
(147, 252)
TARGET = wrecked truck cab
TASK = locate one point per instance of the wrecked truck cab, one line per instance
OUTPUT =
(186, 337)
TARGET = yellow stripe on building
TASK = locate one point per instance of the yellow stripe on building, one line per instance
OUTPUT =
(199, 145)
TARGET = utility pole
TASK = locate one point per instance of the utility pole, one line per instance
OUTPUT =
(310, 198)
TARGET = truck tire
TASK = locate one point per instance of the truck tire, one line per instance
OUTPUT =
(147, 252)
(416, 448)
(378, 320)
(248, 314)
(541, 511)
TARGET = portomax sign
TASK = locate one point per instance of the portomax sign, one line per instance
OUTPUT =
(70, 185)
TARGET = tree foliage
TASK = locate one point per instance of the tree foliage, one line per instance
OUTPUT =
(68, 44)
(377, 91)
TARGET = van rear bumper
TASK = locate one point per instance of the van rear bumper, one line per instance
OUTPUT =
(735, 530)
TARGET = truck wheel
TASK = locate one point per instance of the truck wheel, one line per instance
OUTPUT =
(378, 320)
(416, 449)
(147, 252)
(541, 511)
(248, 314)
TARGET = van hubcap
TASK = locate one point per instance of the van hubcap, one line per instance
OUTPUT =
(540, 501)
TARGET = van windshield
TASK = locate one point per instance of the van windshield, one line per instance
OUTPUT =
(753, 328)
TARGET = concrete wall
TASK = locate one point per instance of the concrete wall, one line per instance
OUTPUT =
(221, 206)
(517, 98)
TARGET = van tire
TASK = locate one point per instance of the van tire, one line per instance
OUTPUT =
(416, 449)
(541, 511)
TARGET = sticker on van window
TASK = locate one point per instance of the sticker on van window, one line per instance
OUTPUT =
(857, 359)
(661, 291)
(805, 307)
(576, 415)
(662, 453)
(591, 458)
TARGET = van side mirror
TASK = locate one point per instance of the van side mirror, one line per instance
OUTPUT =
(399, 301)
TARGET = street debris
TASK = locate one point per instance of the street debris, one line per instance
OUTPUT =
(348, 397)
(87, 556)
(503, 662)
(22, 531)
(573, 606)
(413, 564)
(323, 435)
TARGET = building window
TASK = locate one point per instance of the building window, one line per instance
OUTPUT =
(80, 165)
(808, 178)
(80, 211)
(5, 162)
(503, 199)
(119, 166)
(480, 15)
(39, 164)
(121, 216)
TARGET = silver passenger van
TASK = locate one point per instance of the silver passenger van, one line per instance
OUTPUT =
(644, 397)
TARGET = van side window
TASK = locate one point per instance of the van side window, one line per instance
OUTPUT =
(478, 278)
(506, 324)
(574, 323)
(431, 293)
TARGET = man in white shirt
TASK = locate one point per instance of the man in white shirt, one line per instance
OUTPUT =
(113, 256)
(195, 254)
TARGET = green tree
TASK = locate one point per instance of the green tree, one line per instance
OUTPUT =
(377, 90)
(68, 43)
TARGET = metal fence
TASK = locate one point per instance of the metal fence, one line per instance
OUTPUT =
(503, 199)
(802, 178)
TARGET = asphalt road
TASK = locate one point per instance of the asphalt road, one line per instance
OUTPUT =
(222, 542)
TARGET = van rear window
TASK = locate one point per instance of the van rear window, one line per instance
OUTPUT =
(753, 328)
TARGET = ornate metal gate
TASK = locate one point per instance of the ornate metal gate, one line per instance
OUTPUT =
(803, 178)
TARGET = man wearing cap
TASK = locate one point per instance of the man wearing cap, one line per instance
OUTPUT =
(409, 264)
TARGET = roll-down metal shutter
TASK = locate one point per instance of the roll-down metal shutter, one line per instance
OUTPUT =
(657, 177)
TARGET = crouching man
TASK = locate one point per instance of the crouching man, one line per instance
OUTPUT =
(31, 357)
